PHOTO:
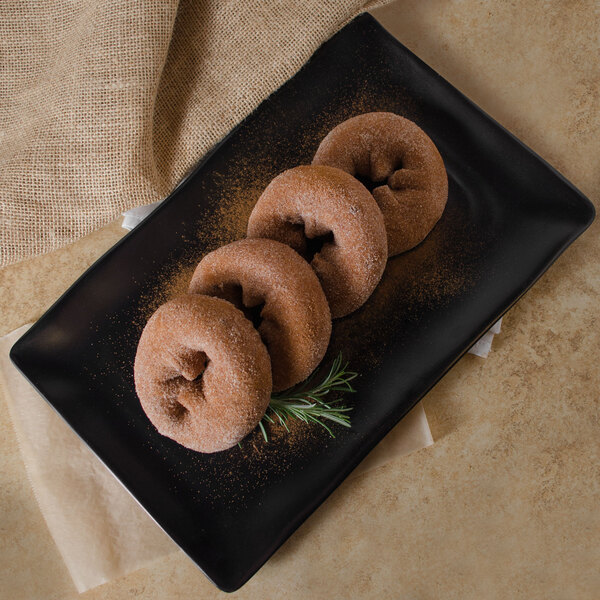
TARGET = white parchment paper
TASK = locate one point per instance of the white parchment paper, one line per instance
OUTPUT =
(100, 531)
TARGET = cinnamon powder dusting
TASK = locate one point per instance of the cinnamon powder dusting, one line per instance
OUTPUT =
(432, 275)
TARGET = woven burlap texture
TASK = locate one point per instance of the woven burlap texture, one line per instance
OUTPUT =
(106, 104)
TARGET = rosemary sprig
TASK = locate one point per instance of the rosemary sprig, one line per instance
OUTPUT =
(307, 400)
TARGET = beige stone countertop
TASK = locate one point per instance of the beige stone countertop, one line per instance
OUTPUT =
(506, 504)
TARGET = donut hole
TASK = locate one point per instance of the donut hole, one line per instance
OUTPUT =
(178, 388)
(314, 245)
(191, 366)
(308, 246)
(368, 182)
(234, 293)
(254, 314)
(377, 175)
(176, 410)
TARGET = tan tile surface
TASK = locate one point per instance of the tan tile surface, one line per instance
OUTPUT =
(505, 504)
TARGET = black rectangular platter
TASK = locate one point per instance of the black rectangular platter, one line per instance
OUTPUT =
(509, 216)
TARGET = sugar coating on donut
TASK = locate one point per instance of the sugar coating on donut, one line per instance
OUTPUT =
(202, 373)
(310, 202)
(385, 147)
(267, 277)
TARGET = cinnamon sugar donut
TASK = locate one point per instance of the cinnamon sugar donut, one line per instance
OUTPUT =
(202, 373)
(310, 202)
(267, 277)
(385, 147)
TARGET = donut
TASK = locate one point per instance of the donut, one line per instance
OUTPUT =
(311, 206)
(385, 147)
(282, 295)
(202, 373)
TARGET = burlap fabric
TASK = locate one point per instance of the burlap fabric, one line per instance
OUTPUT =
(105, 104)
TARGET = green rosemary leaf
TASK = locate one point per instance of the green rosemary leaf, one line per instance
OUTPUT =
(263, 430)
(306, 401)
